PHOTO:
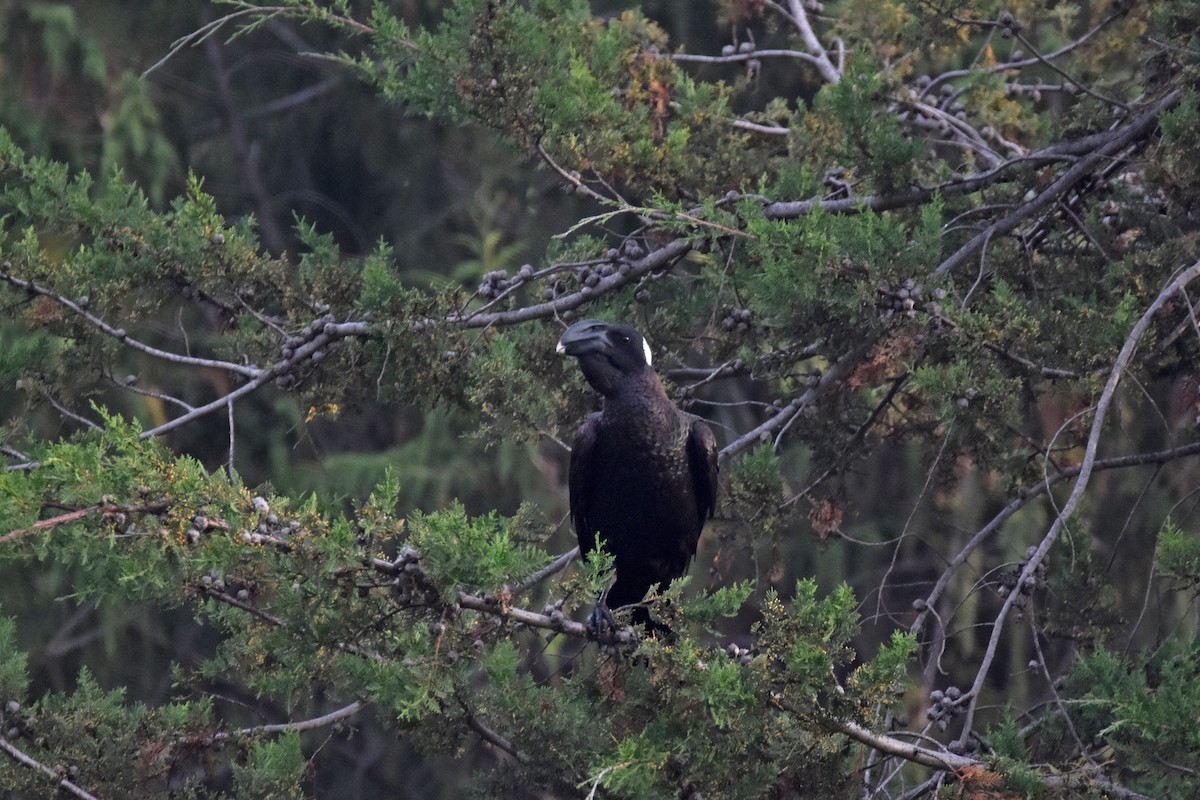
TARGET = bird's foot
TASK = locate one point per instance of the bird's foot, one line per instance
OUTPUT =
(600, 622)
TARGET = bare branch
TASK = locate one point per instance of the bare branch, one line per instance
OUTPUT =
(557, 565)
(119, 333)
(799, 405)
(329, 335)
(769, 130)
(572, 177)
(71, 415)
(490, 736)
(657, 260)
(909, 752)
(27, 760)
(736, 58)
(103, 508)
(322, 721)
(1081, 484)
(230, 600)
(1049, 63)
(1026, 495)
(1135, 129)
(1007, 66)
(799, 18)
(509, 613)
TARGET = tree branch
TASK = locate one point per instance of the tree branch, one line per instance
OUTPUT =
(26, 760)
(1025, 495)
(504, 611)
(329, 335)
(1135, 129)
(891, 746)
(659, 259)
(1085, 472)
(736, 58)
(799, 18)
(119, 333)
(333, 717)
(272, 235)
(1029, 62)
(103, 508)
(799, 405)
(557, 565)
(490, 736)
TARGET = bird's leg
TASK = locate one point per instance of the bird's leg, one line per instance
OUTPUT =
(601, 621)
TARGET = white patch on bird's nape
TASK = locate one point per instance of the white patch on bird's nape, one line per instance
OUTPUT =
(646, 350)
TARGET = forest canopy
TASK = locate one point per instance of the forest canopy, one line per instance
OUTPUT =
(285, 438)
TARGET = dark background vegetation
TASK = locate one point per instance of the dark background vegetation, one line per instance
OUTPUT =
(918, 443)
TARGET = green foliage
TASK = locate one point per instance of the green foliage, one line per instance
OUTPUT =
(478, 554)
(1145, 713)
(854, 131)
(597, 569)
(273, 769)
(726, 601)
(1177, 557)
(14, 676)
(156, 363)
(1005, 738)
(633, 771)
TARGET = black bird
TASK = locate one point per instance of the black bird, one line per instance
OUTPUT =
(643, 473)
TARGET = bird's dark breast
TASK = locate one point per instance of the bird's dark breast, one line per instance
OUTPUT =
(644, 503)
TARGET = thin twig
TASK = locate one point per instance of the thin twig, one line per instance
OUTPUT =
(103, 508)
(121, 336)
(1025, 495)
(557, 565)
(1029, 62)
(799, 405)
(71, 415)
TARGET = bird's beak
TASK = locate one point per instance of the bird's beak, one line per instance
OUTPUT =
(586, 336)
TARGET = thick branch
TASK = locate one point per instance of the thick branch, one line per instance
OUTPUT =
(487, 605)
(1141, 125)
(799, 18)
(901, 749)
(322, 721)
(491, 737)
(734, 58)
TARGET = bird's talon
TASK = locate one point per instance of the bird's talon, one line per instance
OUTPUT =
(600, 622)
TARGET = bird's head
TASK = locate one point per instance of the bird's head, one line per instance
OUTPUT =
(608, 354)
